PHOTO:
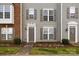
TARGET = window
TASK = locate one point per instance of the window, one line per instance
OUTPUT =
(49, 14)
(72, 12)
(31, 13)
(1, 11)
(48, 33)
(6, 33)
(6, 13)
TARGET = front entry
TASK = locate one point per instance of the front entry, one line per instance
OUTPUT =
(31, 32)
(72, 33)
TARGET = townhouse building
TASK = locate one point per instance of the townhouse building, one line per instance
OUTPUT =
(41, 22)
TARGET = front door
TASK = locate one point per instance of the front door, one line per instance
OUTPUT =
(72, 33)
(31, 32)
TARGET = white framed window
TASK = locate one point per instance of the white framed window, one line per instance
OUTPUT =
(6, 13)
(72, 12)
(48, 33)
(6, 33)
(31, 13)
(48, 14)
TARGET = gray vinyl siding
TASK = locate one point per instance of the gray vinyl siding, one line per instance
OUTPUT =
(40, 24)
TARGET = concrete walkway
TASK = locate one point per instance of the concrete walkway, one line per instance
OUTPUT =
(25, 50)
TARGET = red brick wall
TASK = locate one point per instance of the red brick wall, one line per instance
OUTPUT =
(17, 19)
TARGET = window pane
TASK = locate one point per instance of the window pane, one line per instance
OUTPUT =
(3, 33)
(45, 36)
(10, 36)
(50, 15)
(51, 36)
(7, 11)
(72, 9)
(10, 30)
(45, 30)
(3, 30)
(45, 15)
(1, 11)
(31, 13)
(51, 30)
(3, 36)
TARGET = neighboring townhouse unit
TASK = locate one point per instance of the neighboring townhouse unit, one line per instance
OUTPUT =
(41, 22)
(9, 21)
(70, 22)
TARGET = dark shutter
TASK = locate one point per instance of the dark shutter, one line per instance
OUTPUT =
(54, 33)
(27, 11)
(41, 33)
(54, 15)
(76, 13)
(41, 15)
(68, 13)
(35, 14)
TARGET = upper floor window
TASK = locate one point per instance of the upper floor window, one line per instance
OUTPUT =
(6, 13)
(72, 12)
(31, 13)
(49, 14)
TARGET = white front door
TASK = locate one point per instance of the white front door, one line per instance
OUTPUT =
(31, 32)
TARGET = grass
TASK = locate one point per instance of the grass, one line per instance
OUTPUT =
(8, 50)
(51, 51)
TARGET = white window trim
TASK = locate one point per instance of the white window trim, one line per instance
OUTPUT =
(48, 31)
(11, 19)
(48, 12)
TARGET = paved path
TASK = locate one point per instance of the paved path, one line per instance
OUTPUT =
(25, 50)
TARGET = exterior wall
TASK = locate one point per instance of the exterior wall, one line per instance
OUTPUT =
(40, 24)
(17, 19)
(65, 20)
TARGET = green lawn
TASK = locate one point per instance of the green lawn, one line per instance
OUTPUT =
(9, 50)
(51, 51)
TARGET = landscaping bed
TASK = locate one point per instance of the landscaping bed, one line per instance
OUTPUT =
(9, 50)
(55, 51)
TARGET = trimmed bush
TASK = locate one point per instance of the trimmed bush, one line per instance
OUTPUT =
(65, 41)
(17, 41)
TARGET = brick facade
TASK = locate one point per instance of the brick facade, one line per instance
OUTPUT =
(17, 19)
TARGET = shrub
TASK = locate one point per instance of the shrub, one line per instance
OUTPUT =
(17, 41)
(65, 41)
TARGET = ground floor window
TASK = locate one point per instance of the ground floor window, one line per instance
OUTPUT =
(48, 33)
(7, 33)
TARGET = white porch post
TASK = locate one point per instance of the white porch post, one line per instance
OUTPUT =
(6, 33)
